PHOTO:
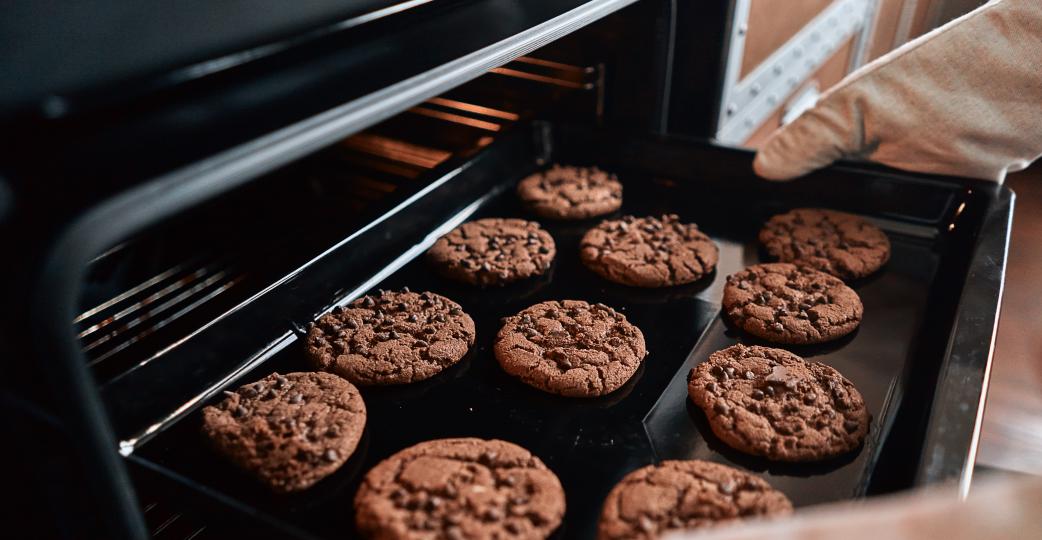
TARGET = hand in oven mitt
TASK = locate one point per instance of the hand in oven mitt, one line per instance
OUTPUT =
(964, 99)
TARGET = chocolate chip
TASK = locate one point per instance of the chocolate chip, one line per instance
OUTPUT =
(240, 411)
(488, 458)
(297, 398)
(769, 390)
(493, 514)
(810, 398)
(728, 487)
(405, 289)
(711, 387)
(331, 455)
(455, 311)
(750, 375)
(350, 323)
(368, 301)
(850, 425)
(544, 250)
(721, 408)
(412, 318)
(777, 327)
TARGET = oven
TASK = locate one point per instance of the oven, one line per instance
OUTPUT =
(172, 229)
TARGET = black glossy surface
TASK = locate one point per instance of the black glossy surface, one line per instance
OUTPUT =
(56, 48)
(590, 444)
(117, 141)
(587, 442)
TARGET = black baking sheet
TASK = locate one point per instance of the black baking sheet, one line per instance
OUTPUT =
(592, 443)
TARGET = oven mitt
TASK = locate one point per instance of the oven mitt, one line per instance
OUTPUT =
(964, 100)
(996, 509)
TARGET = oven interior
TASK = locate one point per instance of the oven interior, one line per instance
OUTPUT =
(218, 296)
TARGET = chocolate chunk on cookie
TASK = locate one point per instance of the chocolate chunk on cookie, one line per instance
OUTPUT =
(567, 192)
(570, 348)
(493, 251)
(460, 488)
(771, 403)
(290, 430)
(784, 303)
(837, 243)
(690, 494)
(391, 338)
(648, 251)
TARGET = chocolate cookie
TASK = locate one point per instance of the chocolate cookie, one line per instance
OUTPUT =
(391, 338)
(460, 488)
(690, 494)
(570, 348)
(771, 403)
(648, 251)
(493, 251)
(289, 431)
(784, 303)
(838, 243)
(567, 192)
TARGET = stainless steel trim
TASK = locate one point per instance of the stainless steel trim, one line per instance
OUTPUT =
(753, 99)
(864, 38)
(735, 53)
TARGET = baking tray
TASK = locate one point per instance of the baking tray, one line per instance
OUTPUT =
(895, 358)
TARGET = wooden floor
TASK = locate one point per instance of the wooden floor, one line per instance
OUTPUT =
(1011, 436)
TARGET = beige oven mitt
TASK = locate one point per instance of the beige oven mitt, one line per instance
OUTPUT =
(964, 99)
(997, 509)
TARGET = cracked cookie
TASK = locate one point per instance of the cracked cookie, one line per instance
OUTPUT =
(493, 251)
(690, 494)
(289, 431)
(570, 348)
(567, 192)
(391, 338)
(460, 488)
(837, 243)
(784, 303)
(648, 251)
(771, 403)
